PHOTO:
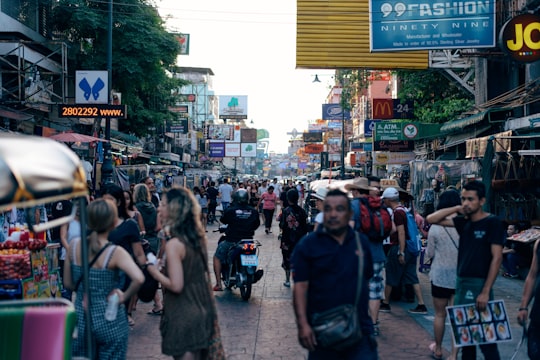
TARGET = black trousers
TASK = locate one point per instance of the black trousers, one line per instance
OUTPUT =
(268, 216)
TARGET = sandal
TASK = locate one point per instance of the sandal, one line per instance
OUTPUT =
(433, 353)
(131, 322)
(218, 288)
(155, 312)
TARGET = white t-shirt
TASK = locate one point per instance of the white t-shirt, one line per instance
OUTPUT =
(225, 190)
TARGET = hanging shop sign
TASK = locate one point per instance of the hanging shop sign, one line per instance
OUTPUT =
(233, 107)
(404, 130)
(413, 25)
(312, 137)
(393, 145)
(520, 38)
(386, 109)
(335, 112)
(313, 148)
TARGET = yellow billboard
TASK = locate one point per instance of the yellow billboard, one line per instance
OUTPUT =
(334, 34)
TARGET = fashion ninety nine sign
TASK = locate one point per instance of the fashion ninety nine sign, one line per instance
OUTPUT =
(413, 25)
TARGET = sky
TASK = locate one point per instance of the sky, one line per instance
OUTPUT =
(251, 48)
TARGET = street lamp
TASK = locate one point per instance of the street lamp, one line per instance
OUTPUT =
(345, 106)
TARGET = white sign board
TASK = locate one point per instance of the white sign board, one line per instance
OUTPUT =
(232, 149)
(249, 149)
(91, 87)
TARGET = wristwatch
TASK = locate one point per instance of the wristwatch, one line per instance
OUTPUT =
(400, 253)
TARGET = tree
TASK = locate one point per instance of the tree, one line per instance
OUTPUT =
(142, 51)
(437, 99)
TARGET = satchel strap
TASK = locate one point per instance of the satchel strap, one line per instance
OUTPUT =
(360, 268)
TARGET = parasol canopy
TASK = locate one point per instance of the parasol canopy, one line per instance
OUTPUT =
(72, 137)
(36, 170)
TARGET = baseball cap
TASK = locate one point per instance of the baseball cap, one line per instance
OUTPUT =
(390, 193)
(320, 194)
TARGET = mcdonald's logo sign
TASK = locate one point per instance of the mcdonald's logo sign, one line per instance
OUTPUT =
(383, 108)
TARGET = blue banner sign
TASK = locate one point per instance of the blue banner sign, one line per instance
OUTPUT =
(216, 149)
(413, 25)
(369, 126)
(334, 112)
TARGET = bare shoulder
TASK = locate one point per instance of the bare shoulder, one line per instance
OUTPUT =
(175, 247)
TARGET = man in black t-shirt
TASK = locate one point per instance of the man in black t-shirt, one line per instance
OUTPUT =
(212, 194)
(481, 239)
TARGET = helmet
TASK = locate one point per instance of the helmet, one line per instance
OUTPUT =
(241, 196)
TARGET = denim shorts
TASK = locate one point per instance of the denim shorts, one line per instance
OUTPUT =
(223, 250)
(376, 283)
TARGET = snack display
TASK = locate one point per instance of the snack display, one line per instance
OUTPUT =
(14, 264)
(472, 327)
(502, 331)
(526, 236)
(472, 314)
(498, 312)
(464, 336)
(459, 315)
(489, 331)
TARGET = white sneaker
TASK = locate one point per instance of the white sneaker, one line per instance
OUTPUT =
(287, 284)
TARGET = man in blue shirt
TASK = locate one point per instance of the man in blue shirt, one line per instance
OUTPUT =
(316, 289)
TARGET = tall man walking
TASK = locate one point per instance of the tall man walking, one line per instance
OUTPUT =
(481, 239)
(316, 289)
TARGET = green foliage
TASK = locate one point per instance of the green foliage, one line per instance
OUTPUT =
(437, 99)
(142, 51)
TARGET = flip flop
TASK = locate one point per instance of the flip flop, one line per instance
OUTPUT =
(433, 354)
(155, 312)
(218, 288)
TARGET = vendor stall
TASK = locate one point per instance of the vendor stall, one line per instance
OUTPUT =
(35, 171)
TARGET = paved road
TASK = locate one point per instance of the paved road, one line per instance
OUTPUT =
(264, 327)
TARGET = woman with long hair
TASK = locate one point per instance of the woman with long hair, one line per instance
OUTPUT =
(132, 211)
(189, 318)
(443, 244)
(111, 336)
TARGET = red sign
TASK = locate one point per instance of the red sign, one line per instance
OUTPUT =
(520, 38)
(383, 108)
(313, 148)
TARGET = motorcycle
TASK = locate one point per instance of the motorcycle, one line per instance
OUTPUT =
(240, 271)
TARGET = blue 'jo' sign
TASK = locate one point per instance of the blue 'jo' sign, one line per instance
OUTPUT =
(397, 25)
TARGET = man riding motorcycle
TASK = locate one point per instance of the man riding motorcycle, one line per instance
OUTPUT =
(242, 220)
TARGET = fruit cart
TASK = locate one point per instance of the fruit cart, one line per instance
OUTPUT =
(35, 171)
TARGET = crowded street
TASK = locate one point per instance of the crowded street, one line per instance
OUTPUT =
(264, 327)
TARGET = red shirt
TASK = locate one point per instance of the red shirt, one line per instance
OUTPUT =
(400, 218)
(269, 200)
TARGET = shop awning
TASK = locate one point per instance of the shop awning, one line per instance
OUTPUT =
(456, 139)
(14, 114)
(494, 114)
(461, 123)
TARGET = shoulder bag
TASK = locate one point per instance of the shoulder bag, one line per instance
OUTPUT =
(339, 328)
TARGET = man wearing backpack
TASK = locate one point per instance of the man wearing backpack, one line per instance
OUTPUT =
(367, 218)
(293, 225)
(401, 263)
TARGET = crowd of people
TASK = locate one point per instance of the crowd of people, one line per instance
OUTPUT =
(465, 245)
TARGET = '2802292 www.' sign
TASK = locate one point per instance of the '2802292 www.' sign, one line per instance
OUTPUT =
(397, 25)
